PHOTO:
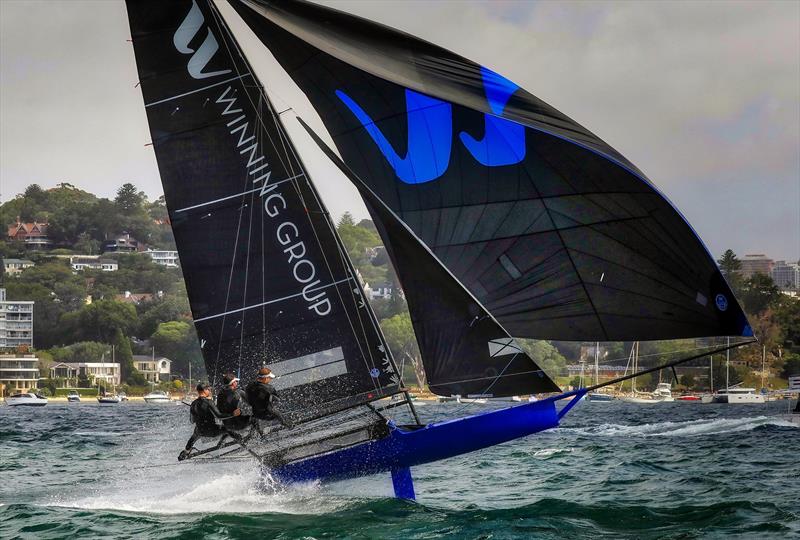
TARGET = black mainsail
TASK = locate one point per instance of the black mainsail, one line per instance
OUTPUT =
(268, 280)
(552, 230)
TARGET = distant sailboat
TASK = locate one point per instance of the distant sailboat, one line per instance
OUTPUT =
(502, 217)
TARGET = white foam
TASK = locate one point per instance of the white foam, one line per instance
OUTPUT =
(547, 452)
(239, 489)
(683, 429)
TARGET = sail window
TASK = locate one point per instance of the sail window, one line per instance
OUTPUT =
(510, 267)
(309, 368)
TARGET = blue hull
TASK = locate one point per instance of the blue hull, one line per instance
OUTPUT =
(403, 448)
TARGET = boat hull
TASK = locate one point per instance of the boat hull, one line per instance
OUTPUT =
(26, 400)
(403, 448)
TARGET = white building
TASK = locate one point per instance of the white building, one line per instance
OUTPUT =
(164, 258)
(154, 369)
(786, 275)
(18, 372)
(16, 266)
(106, 373)
(93, 262)
(16, 323)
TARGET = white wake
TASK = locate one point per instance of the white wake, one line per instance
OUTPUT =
(688, 428)
(202, 488)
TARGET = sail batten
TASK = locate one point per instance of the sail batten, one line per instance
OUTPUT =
(521, 203)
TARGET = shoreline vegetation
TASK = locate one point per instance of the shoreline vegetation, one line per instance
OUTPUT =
(141, 308)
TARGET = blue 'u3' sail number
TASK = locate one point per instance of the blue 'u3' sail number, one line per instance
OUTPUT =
(430, 133)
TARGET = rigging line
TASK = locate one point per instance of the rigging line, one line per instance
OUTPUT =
(198, 90)
(288, 165)
(437, 383)
(669, 364)
(247, 192)
(348, 270)
(246, 281)
(225, 28)
(273, 301)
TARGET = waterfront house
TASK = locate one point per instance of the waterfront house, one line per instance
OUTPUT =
(164, 257)
(155, 369)
(123, 243)
(106, 373)
(92, 262)
(32, 235)
(16, 322)
(18, 372)
(16, 266)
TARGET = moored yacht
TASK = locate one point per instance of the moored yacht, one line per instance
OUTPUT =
(108, 399)
(73, 397)
(26, 400)
(735, 395)
(157, 396)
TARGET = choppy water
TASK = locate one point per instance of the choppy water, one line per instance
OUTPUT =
(613, 470)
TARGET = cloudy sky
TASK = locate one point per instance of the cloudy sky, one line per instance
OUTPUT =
(704, 97)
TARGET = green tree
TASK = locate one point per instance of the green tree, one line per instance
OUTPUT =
(129, 200)
(100, 321)
(759, 293)
(177, 340)
(173, 308)
(791, 366)
(731, 266)
(688, 380)
(346, 220)
(787, 316)
(545, 355)
(124, 356)
(402, 342)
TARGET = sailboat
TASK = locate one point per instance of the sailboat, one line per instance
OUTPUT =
(502, 217)
(599, 397)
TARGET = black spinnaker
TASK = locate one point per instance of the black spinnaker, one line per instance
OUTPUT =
(464, 350)
(551, 229)
(268, 281)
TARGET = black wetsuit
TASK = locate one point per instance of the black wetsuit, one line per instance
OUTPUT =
(204, 416)
(228, 401)
(262, 397)
(797, 407)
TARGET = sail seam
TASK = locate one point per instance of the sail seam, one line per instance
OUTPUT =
(160, 101)
(273, 301)
(200, 205)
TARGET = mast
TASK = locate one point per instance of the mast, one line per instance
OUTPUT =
(728, 367)
(711, 372)
(597, 362)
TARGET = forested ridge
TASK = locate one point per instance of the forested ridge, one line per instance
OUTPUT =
(79, 315)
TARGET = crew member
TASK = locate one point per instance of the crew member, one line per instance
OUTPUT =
(262, 397)
(797, 407)
(230, 402)
(204, 414)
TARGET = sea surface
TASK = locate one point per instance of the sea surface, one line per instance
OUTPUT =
(612, 470)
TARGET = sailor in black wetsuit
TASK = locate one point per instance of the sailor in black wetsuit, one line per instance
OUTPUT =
(230, 403)
(262, 397)
(797, 407)
(204, 415)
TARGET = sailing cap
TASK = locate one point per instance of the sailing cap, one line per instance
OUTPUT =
(229, 379)
(265, 373)
(202, 386)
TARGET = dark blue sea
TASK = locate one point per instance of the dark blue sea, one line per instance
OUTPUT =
(612, 470)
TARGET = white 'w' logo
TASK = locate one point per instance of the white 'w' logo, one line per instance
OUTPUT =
(185, 33)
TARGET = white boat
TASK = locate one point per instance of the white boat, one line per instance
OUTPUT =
(157, 396)
(734, 395)
(26, 400)
(73, 397)
(109, 399)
